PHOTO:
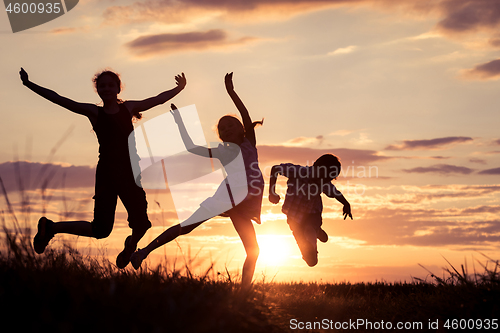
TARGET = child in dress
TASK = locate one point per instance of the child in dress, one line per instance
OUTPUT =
(236, 137)
(112, 124)
(303, 205)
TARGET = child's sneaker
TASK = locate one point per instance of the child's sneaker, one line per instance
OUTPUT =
(43, 235)
(322, 235)
(137, 258)
(124, 257)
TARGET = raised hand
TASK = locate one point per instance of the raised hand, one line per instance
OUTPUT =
(24, 76)
(228, 80)
(181, 80)
(175, 112)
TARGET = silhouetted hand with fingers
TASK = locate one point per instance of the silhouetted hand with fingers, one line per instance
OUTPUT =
(347, 211)
(24, 76)
(181, 80)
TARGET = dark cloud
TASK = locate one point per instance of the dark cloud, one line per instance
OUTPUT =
(467, 15)
(486, 71)
(495, 171)
(480, 210)
(443, 169)
(32, 175)
(439, 157)
(171, 43)
(495, 42)
(477, 160)
(438, 143)
(307, 156)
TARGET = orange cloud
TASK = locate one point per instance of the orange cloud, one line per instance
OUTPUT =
(423, 227)
(63, 30)
(169, 11)
(436, 193)
(457, 16)
(304, 141)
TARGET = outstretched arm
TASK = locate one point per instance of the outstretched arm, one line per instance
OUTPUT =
(146, 104)
(245, 116)
(331, 191)
(188, 142)
(346, 211)
(86, 109)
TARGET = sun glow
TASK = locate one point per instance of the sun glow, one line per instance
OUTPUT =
(274, 249)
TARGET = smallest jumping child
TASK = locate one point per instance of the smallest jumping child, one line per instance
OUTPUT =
(303, 205)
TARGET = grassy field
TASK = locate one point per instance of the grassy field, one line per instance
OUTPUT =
(64, 291)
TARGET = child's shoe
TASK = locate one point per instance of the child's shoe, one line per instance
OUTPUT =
(322, 235)
(137, 258)
(43, 235)
(124, 257)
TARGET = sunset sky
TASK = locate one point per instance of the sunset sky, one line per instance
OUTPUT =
(405, 92)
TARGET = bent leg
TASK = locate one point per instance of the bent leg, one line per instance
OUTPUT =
(105, 200)
(246, 231)
(134, 200)
(100, 227)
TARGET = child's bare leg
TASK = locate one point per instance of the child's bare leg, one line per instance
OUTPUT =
(169, 235)
(185, 227)
(246, 231)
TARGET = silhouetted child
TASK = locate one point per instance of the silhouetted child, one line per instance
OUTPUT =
(303, 205)
(236, 137)
(112, 124)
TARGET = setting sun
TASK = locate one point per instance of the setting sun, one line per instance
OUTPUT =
(274, 249)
